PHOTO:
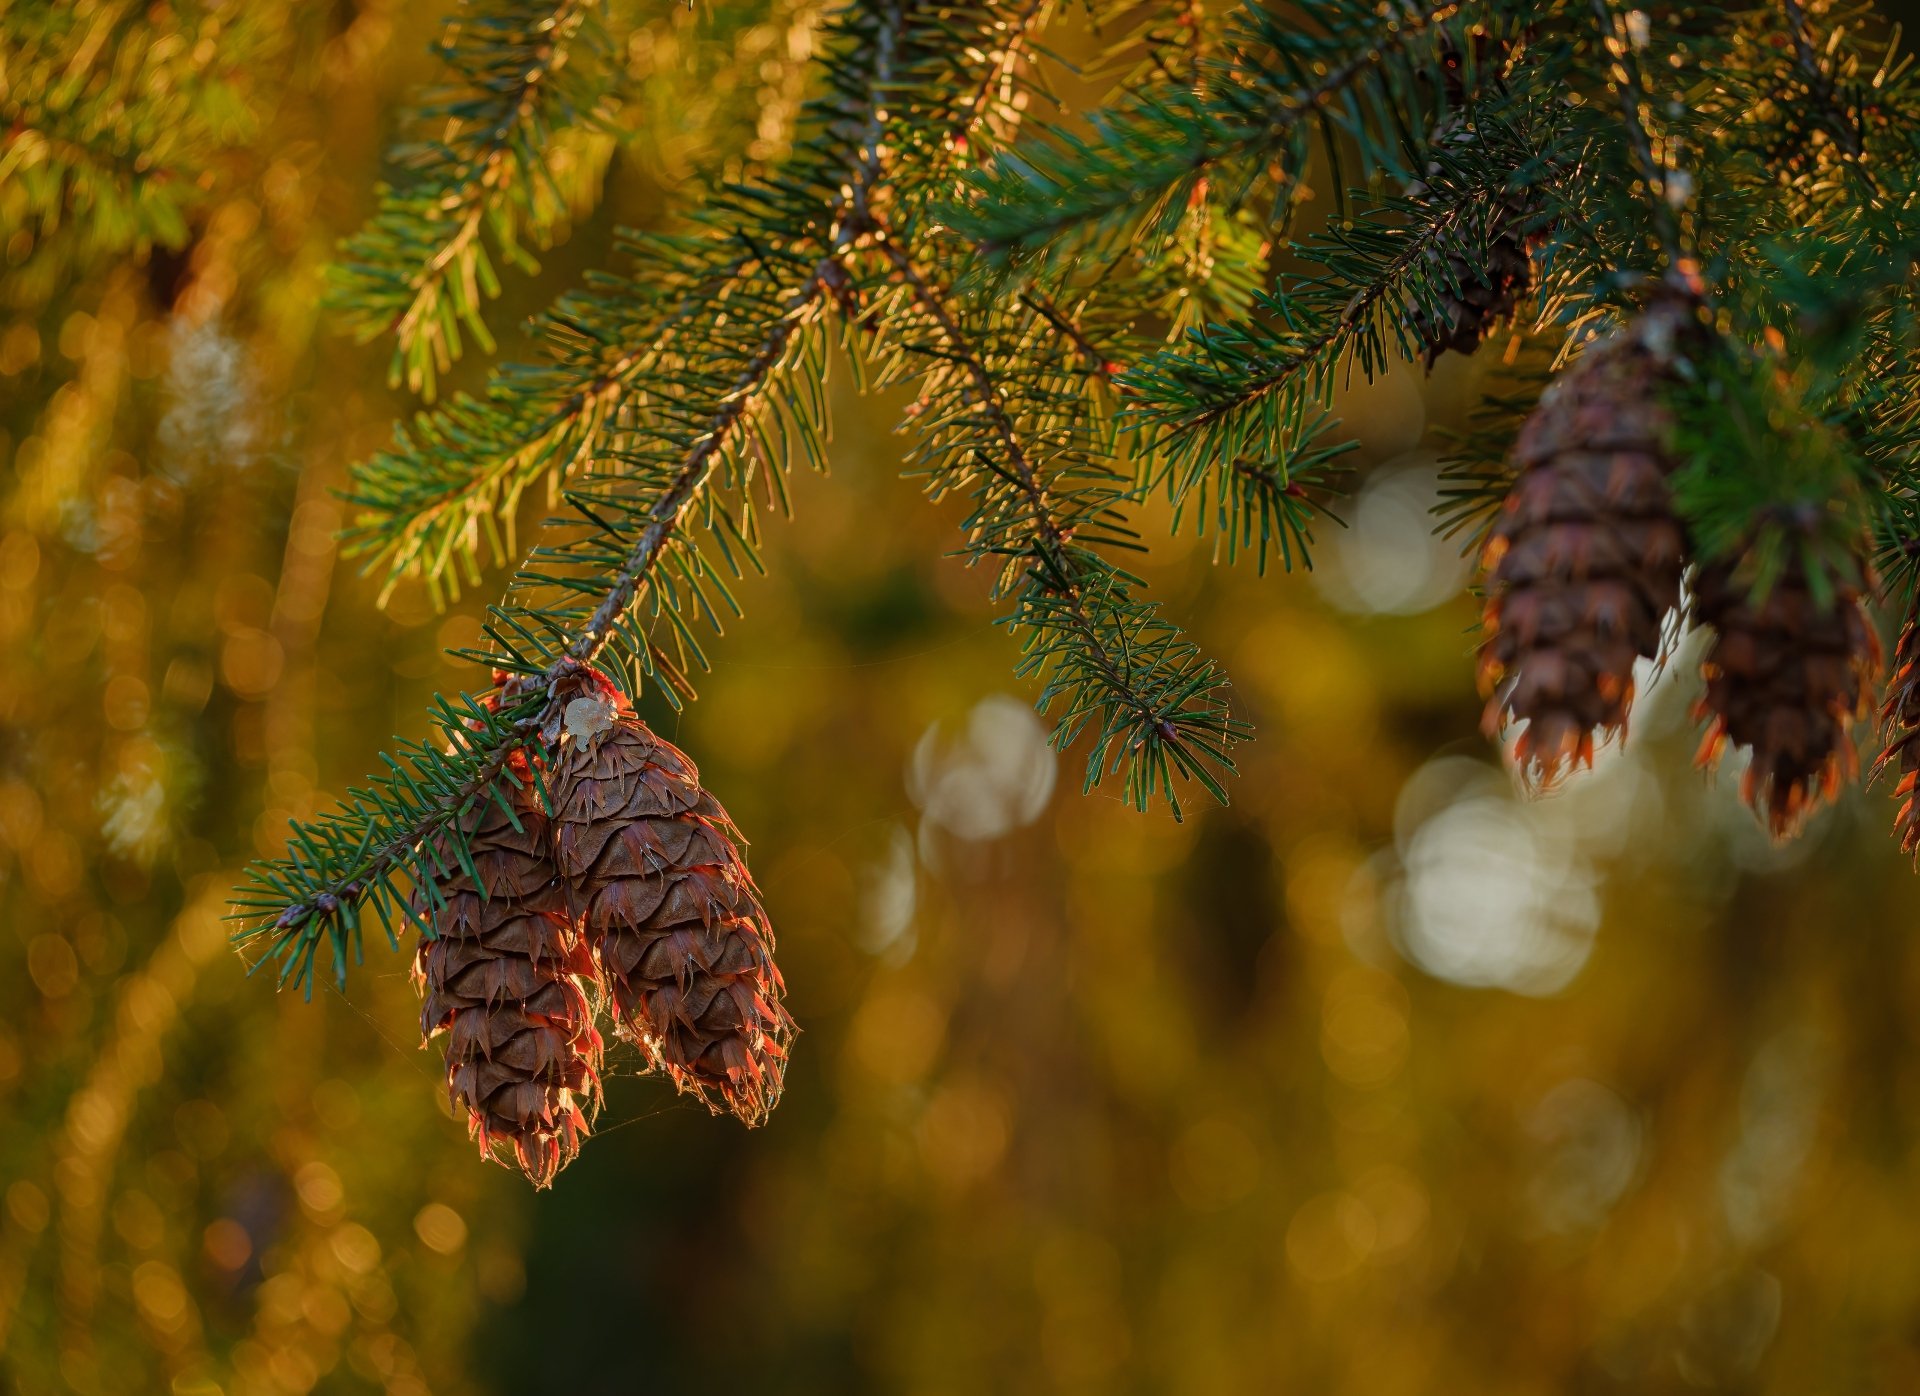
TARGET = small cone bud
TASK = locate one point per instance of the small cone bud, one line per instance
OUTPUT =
(1786, 677)
(1484, 279)
(1583, 563)
(1481, 294)
(504, 979)
(674, 918)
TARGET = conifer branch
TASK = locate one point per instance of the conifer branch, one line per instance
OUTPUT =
(1175, 58)
(665, 514)
(997, 73)
(400, 831)
(445, 494)
(1227, 371)
(420, 270)
(1235, 418)
(1840, 120)
(114, 122)
(1215, 256)
(328, 905)
(1098, 362)
(672, 398)
(1153, 151)
(442, 498)
(1104, 657)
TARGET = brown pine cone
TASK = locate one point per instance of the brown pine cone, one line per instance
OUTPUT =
(1900, 733)
(673, 916)
(1786, 677)
(505, 978)
(1584, 562)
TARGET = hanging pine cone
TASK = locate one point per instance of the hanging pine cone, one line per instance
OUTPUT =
(674, 918)
(1900, 733)
(505, 978)
(1786, 677)
(1584, 561)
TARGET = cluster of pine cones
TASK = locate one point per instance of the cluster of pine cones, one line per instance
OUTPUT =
(632, 900)
(1584, 567)
(1585, 562)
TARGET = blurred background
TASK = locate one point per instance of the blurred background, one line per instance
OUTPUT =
(1379, 1081)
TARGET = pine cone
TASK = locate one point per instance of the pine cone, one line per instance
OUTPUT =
(505, 977)
(1481, 284)
(1584, 562)
(673, 916)
(1900, 733)
(1478, 295)
(1786, 677)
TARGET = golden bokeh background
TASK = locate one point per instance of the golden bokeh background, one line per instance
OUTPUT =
(1379, 1081)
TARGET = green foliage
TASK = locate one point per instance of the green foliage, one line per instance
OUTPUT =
(1245, 124)
(308, 908)
(1005, 387)
(513, 146)
(1744, 431)
(1257, 390)
(114, 123)
(725, 334)
(194, 1176)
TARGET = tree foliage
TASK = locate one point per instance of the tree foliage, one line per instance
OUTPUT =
(190, 1184)
(513, 145)
(1090, 312)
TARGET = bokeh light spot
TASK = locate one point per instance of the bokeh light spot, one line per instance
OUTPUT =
(1488, 898)
(996, 779)
(440, 1228)
(355, 1248)
(1214, 1164)
(28, 1206)
(53, 965)
(227, 1243)
(319, 1188)
(1330, 1237)
(1389, 560)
